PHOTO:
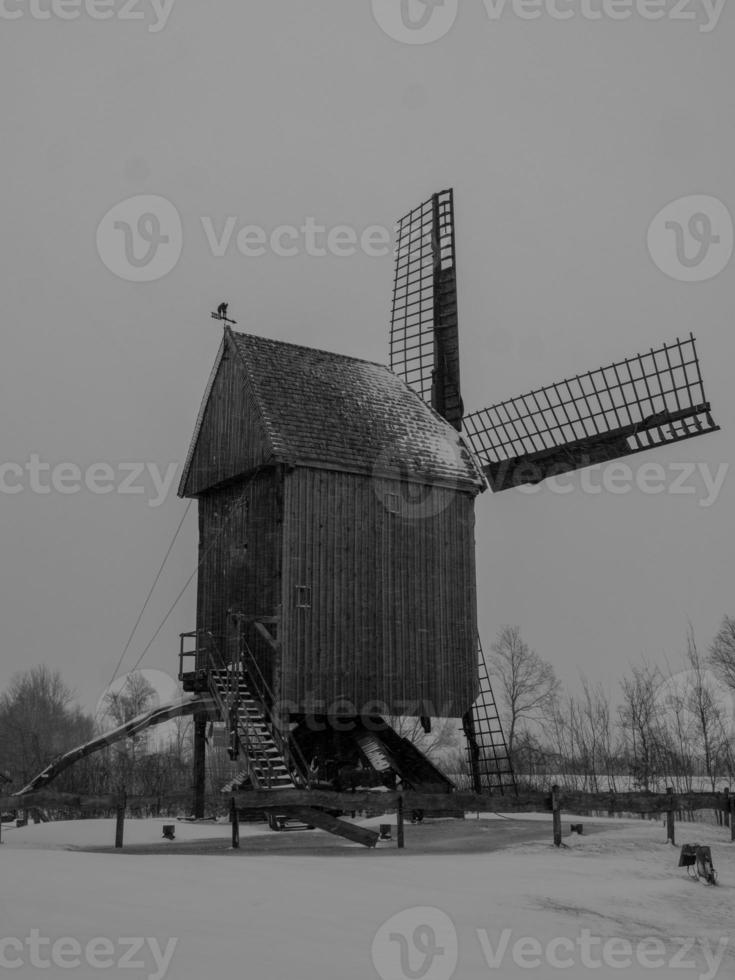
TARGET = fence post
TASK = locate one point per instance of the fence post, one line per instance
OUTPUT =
(120, 822)
(235, 820)
(732, 818)
(556, 815)
(399, 824)
(726, 811)
(670, 824)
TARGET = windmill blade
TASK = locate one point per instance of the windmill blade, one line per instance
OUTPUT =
(424, 342)
(640, 403)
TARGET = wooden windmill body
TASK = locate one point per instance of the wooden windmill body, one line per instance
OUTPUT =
(336, 533)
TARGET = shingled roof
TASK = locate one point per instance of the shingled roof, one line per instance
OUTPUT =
(324, 409)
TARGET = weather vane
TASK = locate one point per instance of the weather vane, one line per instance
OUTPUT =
(221, 314)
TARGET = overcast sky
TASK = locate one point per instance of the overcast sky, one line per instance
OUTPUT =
(563, 140)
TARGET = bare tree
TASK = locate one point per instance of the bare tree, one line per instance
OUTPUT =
(132, 699)
(593, 739)
(679, 748)
(527, 685)
(640, 721)
(38, 721)
(709, 722)
(722, 652)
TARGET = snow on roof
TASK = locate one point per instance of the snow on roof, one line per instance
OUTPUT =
(322, 408)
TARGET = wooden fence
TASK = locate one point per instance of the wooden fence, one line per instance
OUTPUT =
(282, 801)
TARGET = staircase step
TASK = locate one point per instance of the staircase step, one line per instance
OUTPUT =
(266, 765)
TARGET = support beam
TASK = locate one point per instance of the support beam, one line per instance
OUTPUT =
(333, 825)
(120, 822)
(200, 764)
(556, 815)
(670, 815)
(235, 821)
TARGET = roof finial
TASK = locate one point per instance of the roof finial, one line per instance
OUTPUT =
(221, 314)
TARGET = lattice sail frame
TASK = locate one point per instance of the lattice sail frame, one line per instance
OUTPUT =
(424, 343)
(642, 402)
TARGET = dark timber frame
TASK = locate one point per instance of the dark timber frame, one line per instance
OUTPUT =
(424, 340)
(637, 404)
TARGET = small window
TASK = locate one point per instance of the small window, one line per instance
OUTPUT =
(391, 503)
(303, 597)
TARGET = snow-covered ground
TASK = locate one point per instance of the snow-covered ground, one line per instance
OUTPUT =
(612, 903)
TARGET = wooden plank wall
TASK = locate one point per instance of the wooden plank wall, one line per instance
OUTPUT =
(393, 596)
(240, 547)
(232, 439)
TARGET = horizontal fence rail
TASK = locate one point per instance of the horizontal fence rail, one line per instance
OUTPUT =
(285, 800)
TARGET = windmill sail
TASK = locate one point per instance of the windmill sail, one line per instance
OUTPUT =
(424, 343)
(645, 401)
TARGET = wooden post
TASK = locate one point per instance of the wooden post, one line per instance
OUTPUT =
(556, 815)
(726, 810)
(732, 818)
(670, 815)
(200, 758)
(399, 824)
(120, 822)
(235, 820)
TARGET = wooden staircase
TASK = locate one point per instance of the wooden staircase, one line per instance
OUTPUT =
(251, 731)
(266, 752)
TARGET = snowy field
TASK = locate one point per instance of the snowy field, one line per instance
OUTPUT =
(612, 903)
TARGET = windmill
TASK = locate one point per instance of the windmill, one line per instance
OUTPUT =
(640, 403)
(336, 579)
(337, 565)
